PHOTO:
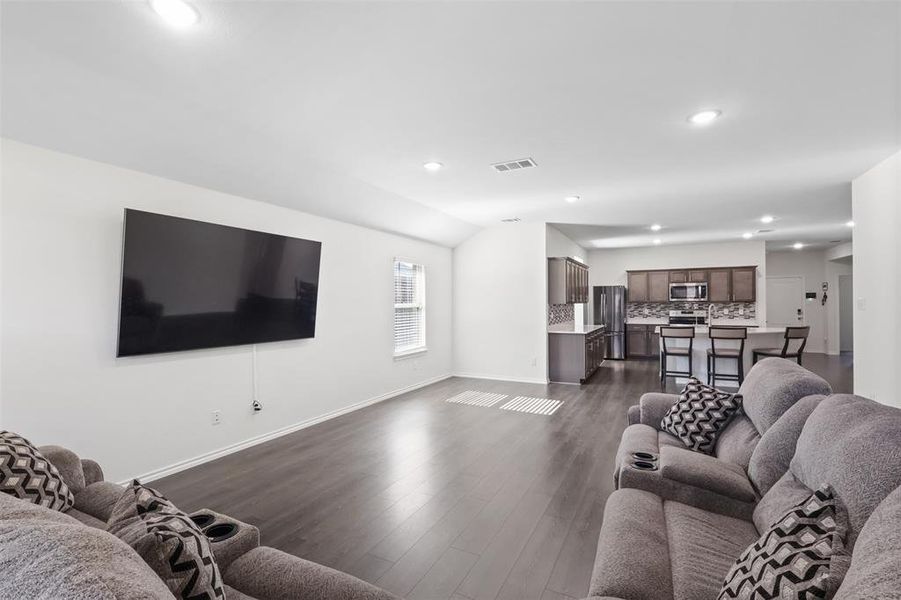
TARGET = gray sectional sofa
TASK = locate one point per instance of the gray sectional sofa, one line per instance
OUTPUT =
(50, 554)
(678, 540)
(750, 454)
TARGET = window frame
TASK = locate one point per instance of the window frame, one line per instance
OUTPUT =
(419, 287)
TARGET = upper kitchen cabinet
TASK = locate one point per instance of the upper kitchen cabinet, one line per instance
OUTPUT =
(567, 281)
(658, 286)
(744, 284)
(637, 287)
(678, 276)
(698, 276)
(719, 285)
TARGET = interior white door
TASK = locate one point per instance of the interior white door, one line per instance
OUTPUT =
(784, 301)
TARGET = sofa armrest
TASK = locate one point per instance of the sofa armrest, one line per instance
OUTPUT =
(269, 574)
(67, 463)
(92, 471)
(705, 472)
(653, 406)
(98, 499)
(634, 414)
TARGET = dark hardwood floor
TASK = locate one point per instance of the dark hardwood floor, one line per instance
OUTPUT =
(434, 500)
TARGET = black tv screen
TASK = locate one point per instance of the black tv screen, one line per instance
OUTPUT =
(188, 284)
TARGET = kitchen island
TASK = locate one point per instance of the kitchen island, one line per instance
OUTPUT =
(758, 337)
(575, 351)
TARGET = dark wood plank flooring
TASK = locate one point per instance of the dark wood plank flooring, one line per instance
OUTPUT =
(433, 500)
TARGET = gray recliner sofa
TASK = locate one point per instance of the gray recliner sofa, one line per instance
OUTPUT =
(249, 571)
(745, 461)
(653, 548)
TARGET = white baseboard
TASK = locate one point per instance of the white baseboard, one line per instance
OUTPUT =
(213, 455)
(502, 378)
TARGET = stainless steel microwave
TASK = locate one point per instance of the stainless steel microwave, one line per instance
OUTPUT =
(688, 292)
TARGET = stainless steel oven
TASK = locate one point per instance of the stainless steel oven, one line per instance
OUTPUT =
(688, 292)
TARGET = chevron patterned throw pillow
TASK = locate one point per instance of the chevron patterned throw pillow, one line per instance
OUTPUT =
(169, 541)
(26, 474)
(801, 557)
(700, 414)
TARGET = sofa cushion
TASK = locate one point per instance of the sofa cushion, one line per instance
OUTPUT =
(86, 519)
(785, 493)
(702, 546)
(801, 556)
(699, 415)
(852, 444)
(775, 384)
(25, 473)
(875, 570)
(773, 455)
(98, 499)
(737, 441)
(43, 558)
(169, 541)
(68, 464)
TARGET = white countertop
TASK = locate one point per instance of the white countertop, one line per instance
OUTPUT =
(647, 321)
(573, 328)
(663, 321)
(702, 330)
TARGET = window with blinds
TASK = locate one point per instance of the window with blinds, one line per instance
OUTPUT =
(409, 307)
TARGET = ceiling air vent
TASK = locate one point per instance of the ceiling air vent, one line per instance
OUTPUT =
(511, 220)
(514, 165)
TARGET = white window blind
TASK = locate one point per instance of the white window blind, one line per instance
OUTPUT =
(409, 307)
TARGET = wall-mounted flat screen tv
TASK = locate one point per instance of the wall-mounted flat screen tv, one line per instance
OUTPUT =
(188, 284)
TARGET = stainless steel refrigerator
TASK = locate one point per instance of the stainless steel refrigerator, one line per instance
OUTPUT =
(610, 311)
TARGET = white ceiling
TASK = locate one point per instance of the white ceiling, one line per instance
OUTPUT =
(333, 107)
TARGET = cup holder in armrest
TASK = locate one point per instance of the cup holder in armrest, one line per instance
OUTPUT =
(644, 456)
(203, 519)
(643, 465)
(220, 531)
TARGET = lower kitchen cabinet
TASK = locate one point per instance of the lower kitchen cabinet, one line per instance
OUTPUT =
(574, 357)
(642, 341)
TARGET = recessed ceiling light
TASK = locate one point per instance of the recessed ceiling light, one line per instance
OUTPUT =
(657, 241)
(797, 245)
(767, 219)
(705, 117)
(177, 13)
(850, 224)
(572, 199)
(747, 235)
(656, 227)
(432, 166)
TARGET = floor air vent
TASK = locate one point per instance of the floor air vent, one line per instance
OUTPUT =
(514, 165)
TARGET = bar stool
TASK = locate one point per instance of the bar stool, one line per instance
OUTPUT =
(736, 354)
(791, 333)
(675, 333)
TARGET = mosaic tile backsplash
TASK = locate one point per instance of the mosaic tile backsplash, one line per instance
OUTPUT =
(648, 310)
(560, 313)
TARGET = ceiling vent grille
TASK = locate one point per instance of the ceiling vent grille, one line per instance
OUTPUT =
(511, 220)
(514, 165)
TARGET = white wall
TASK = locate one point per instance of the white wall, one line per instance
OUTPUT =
(61, 383)
(815, 267)
(557, 244)
(609, 266)
(500, 303)
(876, 205)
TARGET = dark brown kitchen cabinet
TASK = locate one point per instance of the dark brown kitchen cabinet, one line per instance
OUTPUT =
(642, 341)
(719, 285)
(678, 276)
(697, 276)
(574, 357)
(658, 286)
(567, 281)
(637, 287)
(744, 284)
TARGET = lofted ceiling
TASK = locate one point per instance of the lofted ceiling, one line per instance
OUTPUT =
(333, 107)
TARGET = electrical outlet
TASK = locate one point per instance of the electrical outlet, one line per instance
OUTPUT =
(741, 311)
(725, 311)
(216, 417)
